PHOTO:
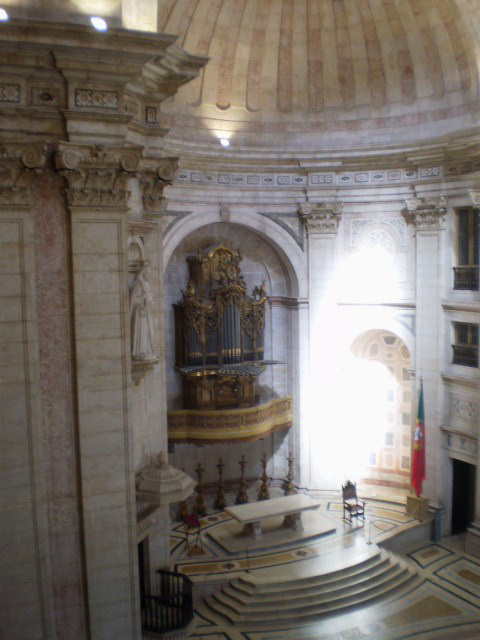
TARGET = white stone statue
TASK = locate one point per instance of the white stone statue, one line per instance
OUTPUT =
(141, 299)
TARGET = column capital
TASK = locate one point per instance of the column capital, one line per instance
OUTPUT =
(154, 175)
(321, 217)
(97, 175)
(475, 196)
(427, 212)
(18, 160)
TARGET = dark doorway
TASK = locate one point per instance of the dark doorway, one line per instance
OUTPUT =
(463, 495)
(143, 572)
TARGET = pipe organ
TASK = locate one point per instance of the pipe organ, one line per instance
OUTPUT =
(219, 333)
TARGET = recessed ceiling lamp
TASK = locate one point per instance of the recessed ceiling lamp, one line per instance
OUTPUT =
(225, 142)
(3, 15)
(98, 23)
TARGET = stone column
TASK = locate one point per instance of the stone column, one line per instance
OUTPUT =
(428, 215)
(97, 197)
(472, 542)
(321, 223)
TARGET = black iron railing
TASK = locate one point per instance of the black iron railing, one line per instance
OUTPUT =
(466, 278)
(465, 355)
(171, 607)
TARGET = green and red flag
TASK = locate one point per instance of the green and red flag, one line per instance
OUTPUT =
(418, 466)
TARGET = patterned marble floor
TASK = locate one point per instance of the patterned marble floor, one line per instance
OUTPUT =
(443, 604)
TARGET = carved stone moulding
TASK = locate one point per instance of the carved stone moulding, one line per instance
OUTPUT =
(230, 425)
(427, 212)
(321, 217)
(141, 367)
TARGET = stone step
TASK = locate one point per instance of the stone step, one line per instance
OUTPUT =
(327, 581)
(311, 588)
(255, 600)
(316, 574)
(302, 616)
(298, 601)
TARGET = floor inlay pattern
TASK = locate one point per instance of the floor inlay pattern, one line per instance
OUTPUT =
(443, 602)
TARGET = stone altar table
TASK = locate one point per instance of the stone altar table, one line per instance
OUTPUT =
(290, 507)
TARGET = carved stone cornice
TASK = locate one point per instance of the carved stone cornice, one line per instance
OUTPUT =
(321, 217)
(97, 175)
(475, 196)
(154, 176)
(18, 161)
(427, 212)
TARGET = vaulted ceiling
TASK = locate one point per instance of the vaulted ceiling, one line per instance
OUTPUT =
(307, 66)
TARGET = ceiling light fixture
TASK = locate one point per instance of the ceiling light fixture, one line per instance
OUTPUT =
(225, 142)
(99, 23)
(3, 15)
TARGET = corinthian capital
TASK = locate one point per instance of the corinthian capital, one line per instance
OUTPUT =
(321, 217)
(97, 175)
(17, 163)
(428, 212)
(154, 176)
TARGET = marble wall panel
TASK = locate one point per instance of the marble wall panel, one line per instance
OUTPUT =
(23, 519)
(106, 445)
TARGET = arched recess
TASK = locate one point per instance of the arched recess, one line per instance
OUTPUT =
(379, 386)
(269, 254)
(283, 244)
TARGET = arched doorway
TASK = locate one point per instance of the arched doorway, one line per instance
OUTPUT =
(383, 395)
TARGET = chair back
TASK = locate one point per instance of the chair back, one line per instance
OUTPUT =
(349, 491)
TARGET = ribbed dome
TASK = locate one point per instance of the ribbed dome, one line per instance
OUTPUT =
(300, 67)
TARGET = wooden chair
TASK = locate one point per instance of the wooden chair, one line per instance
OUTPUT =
(351, 504)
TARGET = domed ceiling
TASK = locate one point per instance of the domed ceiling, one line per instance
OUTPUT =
(297, 72)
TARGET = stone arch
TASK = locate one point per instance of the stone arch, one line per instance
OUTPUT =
(285, 273)
(293, 258)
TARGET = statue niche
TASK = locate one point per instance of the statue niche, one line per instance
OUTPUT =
(219, 332)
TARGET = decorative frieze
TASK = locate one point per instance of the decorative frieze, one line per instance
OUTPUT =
(97, 175)
(427, 212)
(10, 92)
(96, 98)
(17, 161)
(321, 217)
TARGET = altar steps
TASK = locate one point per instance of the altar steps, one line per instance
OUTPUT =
(253, 600)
